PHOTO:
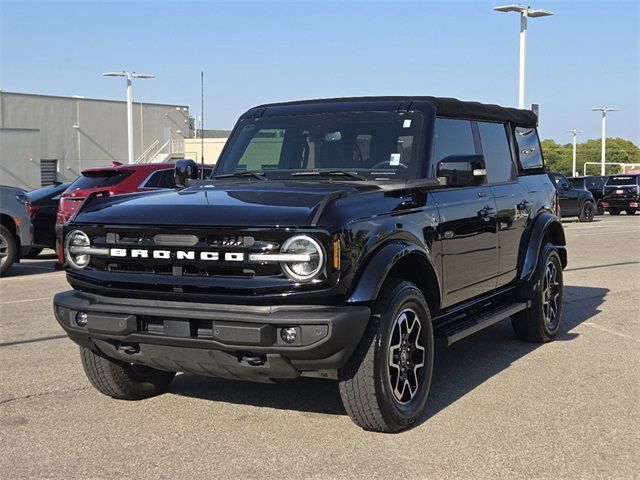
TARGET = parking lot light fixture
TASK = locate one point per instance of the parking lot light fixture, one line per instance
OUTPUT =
(603, 153)
(525, 13)
(129, 76)
(575, 134)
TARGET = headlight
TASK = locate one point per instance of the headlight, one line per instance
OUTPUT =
(307, 270)
(75, 249)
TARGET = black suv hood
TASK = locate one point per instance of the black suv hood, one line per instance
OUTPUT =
(263, 204)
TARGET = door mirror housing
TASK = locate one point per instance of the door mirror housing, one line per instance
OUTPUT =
(462, 170)
(185, 170)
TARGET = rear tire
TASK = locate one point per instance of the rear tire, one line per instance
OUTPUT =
(587, 213)
(631, 211)
(614, 211)
(385, 384)
(8, 249)
(599, 209)
(540, 322)
(122, 380)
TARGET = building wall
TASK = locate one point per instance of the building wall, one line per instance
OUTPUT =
(77, 132)
(212, 149)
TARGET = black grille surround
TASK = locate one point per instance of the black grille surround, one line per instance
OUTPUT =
(217, 281)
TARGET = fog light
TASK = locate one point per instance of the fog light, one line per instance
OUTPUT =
(81, 319)
(289, 334)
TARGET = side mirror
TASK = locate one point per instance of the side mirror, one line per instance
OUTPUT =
(462, 170)
(184, 171)
(568, 186)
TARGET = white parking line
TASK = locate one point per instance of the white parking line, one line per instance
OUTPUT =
(607, 232)
(609, 330)
(27, 300)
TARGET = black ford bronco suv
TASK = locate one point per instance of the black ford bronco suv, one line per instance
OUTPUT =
(335, 238)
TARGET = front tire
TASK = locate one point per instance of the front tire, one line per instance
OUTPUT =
(8, 249)
(122, 380)
(540, 322)
(385, 384)
(587, 213)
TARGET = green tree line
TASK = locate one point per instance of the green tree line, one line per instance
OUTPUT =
(558, 158)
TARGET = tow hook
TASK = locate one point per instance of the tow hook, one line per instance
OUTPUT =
(253, 360)
(128, 349)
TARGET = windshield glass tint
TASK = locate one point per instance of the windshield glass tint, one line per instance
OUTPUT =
(626, 180)
(99, 179)
(376, 145)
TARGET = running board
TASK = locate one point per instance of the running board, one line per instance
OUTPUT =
(469, 326)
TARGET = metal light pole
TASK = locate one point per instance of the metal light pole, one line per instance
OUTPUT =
(525, 13)
(129, 76)
(575, 134)
(604, 111)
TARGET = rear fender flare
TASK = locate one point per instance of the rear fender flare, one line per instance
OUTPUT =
(546, 227)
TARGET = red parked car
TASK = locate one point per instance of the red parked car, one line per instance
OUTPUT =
(114, 179)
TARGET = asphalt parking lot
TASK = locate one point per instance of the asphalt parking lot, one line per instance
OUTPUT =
(498, 408)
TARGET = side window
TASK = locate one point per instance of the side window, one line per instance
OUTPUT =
(496, 151)
(528, 148)
(167, 180)
(154, 180)
(452, 137)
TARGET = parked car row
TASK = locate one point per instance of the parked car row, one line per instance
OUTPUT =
(31, 221)
(584, 197)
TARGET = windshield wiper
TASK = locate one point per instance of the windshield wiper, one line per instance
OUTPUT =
(328, 173)
(258, 175)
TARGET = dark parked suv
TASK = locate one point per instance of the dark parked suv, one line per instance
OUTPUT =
(622, 192)
(337, 239)
(574, 202)
(593, 184)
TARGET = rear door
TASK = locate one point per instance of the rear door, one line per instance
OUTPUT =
(467, 228)
(510, 196)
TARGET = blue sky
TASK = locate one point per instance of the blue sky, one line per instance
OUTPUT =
(586, 55)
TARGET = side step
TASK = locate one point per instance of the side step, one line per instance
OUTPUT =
(459, 330)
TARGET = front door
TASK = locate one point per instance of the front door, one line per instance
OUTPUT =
(468, 234)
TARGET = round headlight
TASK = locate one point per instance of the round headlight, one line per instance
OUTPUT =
(307, 270)
(75, 247)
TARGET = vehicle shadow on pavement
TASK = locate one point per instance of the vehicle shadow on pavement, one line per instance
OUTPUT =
(458, 369)
(39, 265)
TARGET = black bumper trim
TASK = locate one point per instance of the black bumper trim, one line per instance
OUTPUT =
(185, 334)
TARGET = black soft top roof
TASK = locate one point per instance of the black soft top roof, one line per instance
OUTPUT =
(447, 107)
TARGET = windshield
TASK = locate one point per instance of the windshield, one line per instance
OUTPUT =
(347, 146)
(626, 180)
(104, 178)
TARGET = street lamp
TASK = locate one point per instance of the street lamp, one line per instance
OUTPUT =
(604, 111)
(525, 13)
(129, 76)
(575, 134)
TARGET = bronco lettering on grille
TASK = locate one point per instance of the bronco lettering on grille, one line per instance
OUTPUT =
(176, 255)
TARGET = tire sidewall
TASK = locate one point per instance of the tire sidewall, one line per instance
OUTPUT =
(12, 249)
(405, 295)
(548, 254)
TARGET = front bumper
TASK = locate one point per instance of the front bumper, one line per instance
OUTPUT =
(230, 341)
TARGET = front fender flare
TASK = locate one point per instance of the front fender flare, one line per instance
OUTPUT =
(376, 270)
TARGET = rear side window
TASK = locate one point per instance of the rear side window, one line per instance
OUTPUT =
(622, 180)
(529, 149)
(161, 179)
(496, 151)
(452, 137)
(105, 178)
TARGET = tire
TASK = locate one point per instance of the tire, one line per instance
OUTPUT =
(540, 322)
(8, 250)
(599, 209)
(587, 213)
(122, 380)
(376, 392)
(630, 211)
(614, 211)
(33, 253)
